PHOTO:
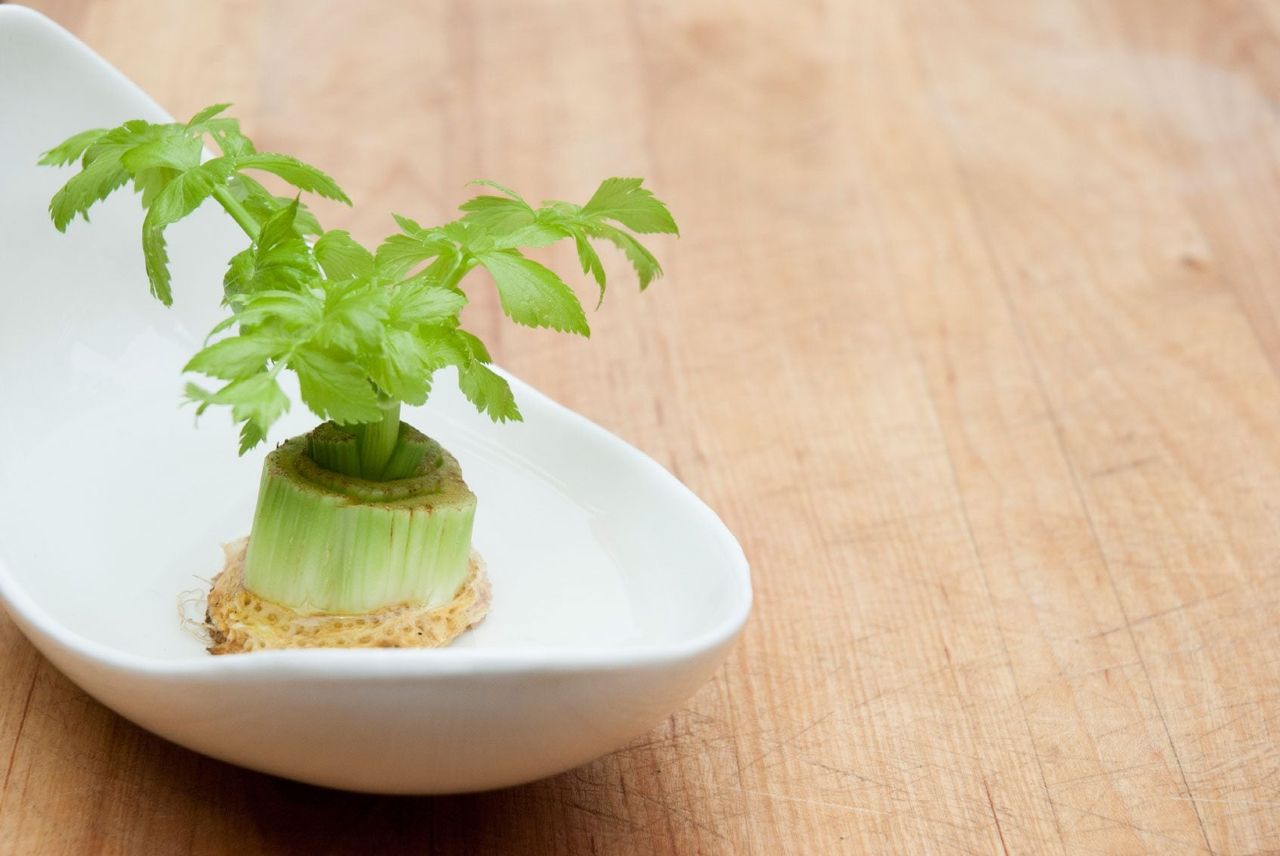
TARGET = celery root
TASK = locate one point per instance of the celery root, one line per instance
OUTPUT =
(240, 621)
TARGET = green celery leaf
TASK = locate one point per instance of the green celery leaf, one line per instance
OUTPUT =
(185, 193)
(420, 301)
(497, 214)
(297, 311)
(300, 175)
(119, 140)
(634, 206)
(488, 391)
(70, 149)
(262, 204)
(259, 398)
(461, 232)
(228, 137)
(533, 235)
(355, 314)
(404, 366)
(304, 221)
(472, 345)
(484, 182)
(341, 256)
(399, 254)
(333, 388)
(198, 394)
(238, 356)
(239, 276)
(251, 434)
(590, 262)
(282, 259)
(224, 130)
(150, 154)
(583, 224)
(92, 184)
(407, 225)
(199, 120)
(149, 182)
(173, 148)
(180, 197)
(533, 295)
(647, 267)
(399, 368)
(258, 401)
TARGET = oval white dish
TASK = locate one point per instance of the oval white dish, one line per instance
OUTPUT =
(617, 592)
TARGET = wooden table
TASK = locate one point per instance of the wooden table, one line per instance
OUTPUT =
(972, 337)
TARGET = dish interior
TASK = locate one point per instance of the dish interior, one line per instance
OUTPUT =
(113, 502)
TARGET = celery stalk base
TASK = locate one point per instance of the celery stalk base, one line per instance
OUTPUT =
(329, 542)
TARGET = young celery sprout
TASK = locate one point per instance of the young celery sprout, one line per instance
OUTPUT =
(362, 533)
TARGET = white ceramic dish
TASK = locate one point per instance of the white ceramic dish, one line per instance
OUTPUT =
(617, 592)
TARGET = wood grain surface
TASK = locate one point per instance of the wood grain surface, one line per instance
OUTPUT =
(972, 337)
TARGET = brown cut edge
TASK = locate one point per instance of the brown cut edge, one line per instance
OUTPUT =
(240, 621)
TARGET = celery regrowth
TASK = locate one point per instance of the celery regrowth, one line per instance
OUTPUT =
(364, 511)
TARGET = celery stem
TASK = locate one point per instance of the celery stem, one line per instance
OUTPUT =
(237, 211)
(335, 449)
(347, 545)
(464, 266)
(407, 457)
(378, 439)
